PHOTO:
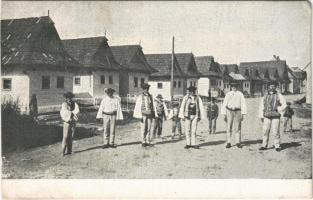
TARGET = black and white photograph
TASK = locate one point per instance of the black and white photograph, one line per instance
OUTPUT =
(152, 90)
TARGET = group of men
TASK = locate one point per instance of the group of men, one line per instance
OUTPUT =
(152, 112)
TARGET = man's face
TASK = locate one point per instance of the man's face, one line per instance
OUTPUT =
(68, 100)
(146, 90)
(272, 87)
(233, 88)
(191, 92)
(110, 94)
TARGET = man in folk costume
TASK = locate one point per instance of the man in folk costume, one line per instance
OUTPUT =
(191, 112)
(145, 110)
(234, 108)
(161, 113)
(69, 111)
(110, 110)
(176, 123)
(272, 107)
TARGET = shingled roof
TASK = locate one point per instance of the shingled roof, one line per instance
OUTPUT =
(298, 73)
(162, 63)
(188, 64)
(132, 57)
(208, 67)
(266, 70)
(228, 68)
(93, 52)
(32, 42)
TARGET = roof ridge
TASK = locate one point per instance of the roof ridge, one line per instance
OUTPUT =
(24, 18)
(84, 38)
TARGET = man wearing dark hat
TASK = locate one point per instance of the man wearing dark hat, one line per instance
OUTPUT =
(234, 108)
(110, 111)
(145, 110)
(161, 113)
(191, 111)
(69, 111)
(272, 107)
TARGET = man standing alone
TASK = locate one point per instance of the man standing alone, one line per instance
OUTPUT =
(234, 108)
(145, 111)
(272, 106)
(110, 111)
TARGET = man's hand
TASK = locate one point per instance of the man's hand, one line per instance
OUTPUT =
(225, 118)
(242, 117)
(198, 119)
(262, 120)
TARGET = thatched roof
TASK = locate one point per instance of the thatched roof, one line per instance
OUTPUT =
(33, 42)
(162, 63)
(187, 64)
(208, 67)
(132, 57)
(265, 70)
(92, 52)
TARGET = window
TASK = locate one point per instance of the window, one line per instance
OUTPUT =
(76, 80)
(142, 81)
(60, 82)
(179, 84)
(110, 79)
(160, 85)
(6, 84)
(45, 83)
(102, 79)
(135, 82)
(174, 84)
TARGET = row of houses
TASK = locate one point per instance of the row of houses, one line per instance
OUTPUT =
(36, 61)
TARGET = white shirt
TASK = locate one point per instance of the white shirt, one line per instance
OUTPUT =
(234, 100)
(66, 114)
(281, 108)
(110, 105)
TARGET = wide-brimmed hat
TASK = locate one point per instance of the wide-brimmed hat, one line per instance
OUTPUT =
(110, 91)
(234, 84)
(192, 88)
(159, 96)
(69, 95)
(145, 86)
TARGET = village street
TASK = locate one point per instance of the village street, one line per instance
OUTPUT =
(168, 158)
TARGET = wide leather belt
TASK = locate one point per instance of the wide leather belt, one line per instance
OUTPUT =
(233, 109)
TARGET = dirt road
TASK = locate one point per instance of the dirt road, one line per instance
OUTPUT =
(168, 158)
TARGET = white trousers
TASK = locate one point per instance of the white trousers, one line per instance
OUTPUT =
(271, 125)
(191, 129)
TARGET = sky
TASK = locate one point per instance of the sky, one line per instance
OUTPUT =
(232, 32)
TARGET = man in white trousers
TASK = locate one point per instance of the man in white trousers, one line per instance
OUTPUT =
(272, 107)
(234, 108)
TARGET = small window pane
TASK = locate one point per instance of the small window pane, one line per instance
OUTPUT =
(160, 85)
(7, 84)
(179, 84)
(77, 80)
(110, 79)
(135, 82)
(60, 82)
(174, 84)
(102, 79)
(45, 84)
(142, 81)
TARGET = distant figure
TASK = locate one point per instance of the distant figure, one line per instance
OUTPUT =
(160, 115)
(176, 123)
(33, 107)
(191, 112)
(110, 110)
(212, 114)
(68, 114)
(272, 106)
(234, 108)
(145, 110)
(288, 117)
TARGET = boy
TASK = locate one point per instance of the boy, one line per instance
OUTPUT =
(160, 115)
(212, 114)
(175, 120)
(288, 117)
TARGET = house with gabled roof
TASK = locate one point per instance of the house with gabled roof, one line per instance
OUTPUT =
(132, 58)
(260, 73)
(188, 65)
(34, 61)
(231, 74)
(297, 79)
(160, 80)
(95, 55)
(210, 76)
